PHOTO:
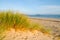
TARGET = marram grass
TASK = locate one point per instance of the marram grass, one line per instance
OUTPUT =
(12, 20)
(16, 20)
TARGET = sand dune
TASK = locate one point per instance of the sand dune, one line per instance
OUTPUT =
(26, 35)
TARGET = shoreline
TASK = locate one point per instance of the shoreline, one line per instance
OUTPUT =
(47, 19)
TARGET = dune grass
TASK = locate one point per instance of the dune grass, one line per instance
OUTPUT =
(16, 20)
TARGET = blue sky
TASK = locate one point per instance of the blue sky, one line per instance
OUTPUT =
(32, 6)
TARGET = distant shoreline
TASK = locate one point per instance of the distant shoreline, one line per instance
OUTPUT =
(47, 19)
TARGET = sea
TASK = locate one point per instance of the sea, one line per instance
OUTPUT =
(45, 16)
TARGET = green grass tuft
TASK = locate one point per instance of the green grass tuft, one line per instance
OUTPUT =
(12, 20)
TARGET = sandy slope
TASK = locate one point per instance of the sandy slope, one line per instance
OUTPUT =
(26, 35)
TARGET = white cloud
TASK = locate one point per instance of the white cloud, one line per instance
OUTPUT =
(48, 10)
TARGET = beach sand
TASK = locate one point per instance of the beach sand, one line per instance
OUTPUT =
(26, 35)
(53, 24)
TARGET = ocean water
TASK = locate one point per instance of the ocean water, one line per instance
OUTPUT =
(45, 16)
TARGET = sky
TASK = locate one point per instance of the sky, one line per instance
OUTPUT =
(32, 6)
